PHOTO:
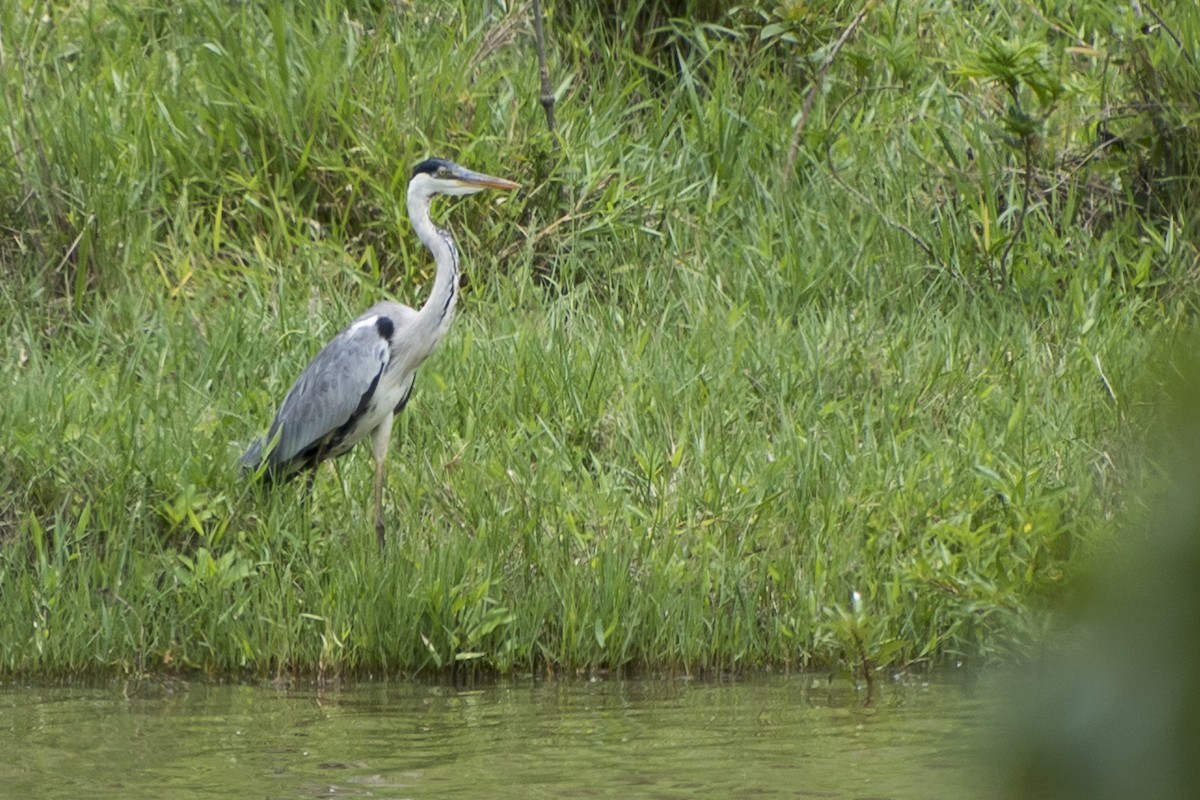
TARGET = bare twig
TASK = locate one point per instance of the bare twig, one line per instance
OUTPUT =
(794, 147)
(900, 226)
(1026, 197)
(547, 98)
(1138, 8)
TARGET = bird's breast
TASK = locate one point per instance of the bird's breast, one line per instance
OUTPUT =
(390, 392)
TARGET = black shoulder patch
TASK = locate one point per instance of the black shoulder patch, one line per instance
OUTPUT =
(386, 327)
(430, 166)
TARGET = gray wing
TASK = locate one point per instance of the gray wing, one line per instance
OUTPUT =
(330, 393)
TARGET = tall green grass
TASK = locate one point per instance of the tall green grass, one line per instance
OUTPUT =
(688, 408)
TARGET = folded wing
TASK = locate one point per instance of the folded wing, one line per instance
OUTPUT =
(320, 416)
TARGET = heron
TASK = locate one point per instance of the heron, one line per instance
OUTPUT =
(357, 384)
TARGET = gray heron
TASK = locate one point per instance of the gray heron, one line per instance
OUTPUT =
(356, 385)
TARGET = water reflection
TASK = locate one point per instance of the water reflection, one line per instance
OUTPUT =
(780, 737)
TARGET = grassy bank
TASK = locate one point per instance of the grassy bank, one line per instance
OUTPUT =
(690, 405)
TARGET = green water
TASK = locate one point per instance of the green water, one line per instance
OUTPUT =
(764, 738)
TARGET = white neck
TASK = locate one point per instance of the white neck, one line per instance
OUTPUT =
(433, 319)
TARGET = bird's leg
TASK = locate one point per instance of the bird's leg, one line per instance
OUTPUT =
(380, 533)
(380, 438)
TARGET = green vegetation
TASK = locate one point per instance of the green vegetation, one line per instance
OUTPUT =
(690, 405)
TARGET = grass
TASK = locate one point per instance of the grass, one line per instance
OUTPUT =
(688, 408)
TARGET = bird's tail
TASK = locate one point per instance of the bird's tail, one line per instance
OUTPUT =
(257, 463)
(252, 460)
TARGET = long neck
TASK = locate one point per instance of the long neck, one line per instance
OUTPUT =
(435, 315)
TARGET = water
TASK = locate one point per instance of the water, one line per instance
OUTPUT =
(793, 737)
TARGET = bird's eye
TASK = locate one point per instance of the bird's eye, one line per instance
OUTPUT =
(443, 172)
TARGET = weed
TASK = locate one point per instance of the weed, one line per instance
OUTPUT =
(687, 410)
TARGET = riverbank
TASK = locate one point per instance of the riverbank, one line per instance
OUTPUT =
(691, 408)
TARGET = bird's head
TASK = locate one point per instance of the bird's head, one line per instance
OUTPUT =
(439, 176)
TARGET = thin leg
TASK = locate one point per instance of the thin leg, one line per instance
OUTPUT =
(379, 447)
